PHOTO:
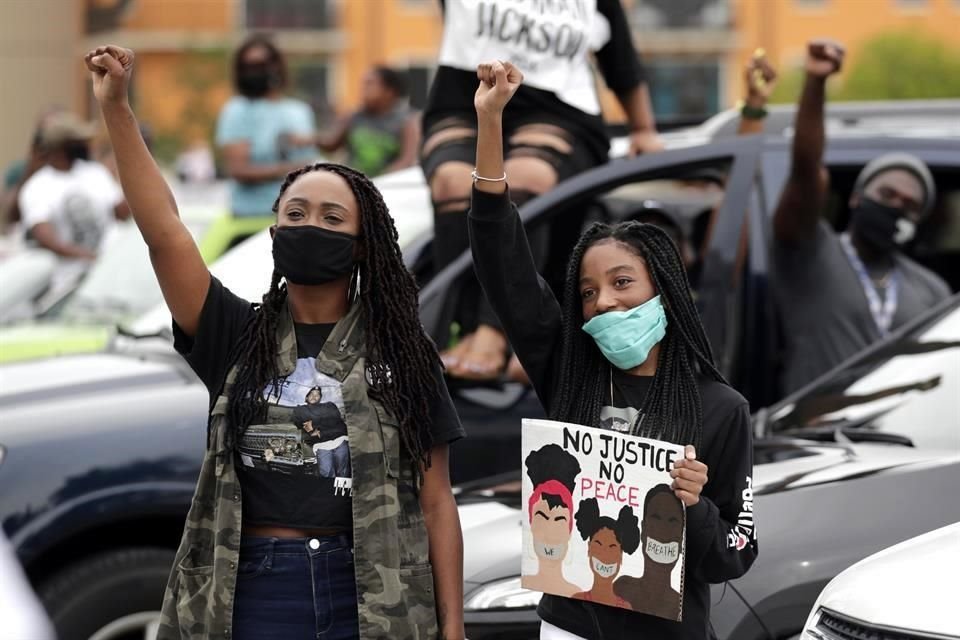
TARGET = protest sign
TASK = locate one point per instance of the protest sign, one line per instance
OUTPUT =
(601, 522)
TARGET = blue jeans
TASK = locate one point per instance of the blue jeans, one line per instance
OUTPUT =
(295, 589)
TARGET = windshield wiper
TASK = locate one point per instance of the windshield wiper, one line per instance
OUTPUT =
(166, 334)
(851, 431)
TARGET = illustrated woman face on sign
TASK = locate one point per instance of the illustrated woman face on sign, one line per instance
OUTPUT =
(607, 541)
(552, 471)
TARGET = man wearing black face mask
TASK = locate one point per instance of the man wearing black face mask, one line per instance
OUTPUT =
(838, 293)
(68, 205)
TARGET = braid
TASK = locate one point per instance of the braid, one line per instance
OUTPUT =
(672, 409)
(397, 345)
(255, 355)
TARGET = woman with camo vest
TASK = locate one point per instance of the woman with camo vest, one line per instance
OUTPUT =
(323, 508)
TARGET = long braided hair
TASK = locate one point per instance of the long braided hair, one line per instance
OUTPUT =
(398, 349)
(672, 409)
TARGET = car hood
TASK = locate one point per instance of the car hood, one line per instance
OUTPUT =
(29, 341)
(78, 427)
(25, 385)
(904, 587)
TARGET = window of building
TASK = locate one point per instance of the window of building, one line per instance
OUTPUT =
(683, 90)
(311, 82)
(288, 14)
(681, 14)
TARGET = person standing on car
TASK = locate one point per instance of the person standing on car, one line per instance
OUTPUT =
(839, 293)
(282, 552)
(554, 127)
(254, 126)
(625, 351)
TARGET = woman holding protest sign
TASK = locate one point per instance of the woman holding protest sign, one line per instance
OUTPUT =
(627, 351)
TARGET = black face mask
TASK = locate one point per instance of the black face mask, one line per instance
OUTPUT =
(310, 255)
(256, 80)
(883, 228)
(77, 149)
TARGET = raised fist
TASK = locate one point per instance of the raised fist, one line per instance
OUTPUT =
(761, 78)
(110, 67)
(824, 58)
(498, 82)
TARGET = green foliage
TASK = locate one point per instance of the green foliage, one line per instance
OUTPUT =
(901, 66)
(896, 65)
(788, 86)
(198, 73)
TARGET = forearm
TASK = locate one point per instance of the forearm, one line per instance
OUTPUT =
(446, 556)
(636, 104)
(147, 193)
(9, 207)
(490, 152)
(67, 250)
(253, 173)
(809, 137)
(798, 210)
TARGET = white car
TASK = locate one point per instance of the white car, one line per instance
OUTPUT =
(904, 592)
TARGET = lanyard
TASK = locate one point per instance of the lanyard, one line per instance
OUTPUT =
(882, 311)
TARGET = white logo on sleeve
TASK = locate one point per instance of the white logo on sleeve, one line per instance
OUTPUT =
(739, 537)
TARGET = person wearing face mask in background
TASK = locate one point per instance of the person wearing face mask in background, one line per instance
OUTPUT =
(626, 344)
(254, 128)
(69, 204)
(838, 293)
(273, 547)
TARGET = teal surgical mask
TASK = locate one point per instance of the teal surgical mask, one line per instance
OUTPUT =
(626, 337)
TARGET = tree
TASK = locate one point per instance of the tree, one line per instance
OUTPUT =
(896, 65)
(902, 66)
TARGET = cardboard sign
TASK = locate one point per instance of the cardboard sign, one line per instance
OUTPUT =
(601, 522)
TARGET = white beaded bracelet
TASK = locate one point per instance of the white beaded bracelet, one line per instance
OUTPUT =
(476, 177)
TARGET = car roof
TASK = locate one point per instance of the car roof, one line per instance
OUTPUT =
(852, 118)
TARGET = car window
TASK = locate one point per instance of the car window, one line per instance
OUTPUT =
(938, 237)
(683, 199)
(937, 245)
(121, 283)
(908, 386)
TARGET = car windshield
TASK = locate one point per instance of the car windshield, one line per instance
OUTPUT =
(906, 387)
(121, 283)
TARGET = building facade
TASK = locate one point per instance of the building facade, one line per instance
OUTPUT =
(694, 50)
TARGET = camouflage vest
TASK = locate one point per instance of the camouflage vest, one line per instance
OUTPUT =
(391, 560)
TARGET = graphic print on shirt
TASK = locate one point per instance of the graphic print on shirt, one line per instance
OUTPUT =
(548, 41)
(314, 442)
(619, 419)
(85, 225)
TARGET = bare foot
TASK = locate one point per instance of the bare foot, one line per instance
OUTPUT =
(515, 371)
(485, 358)
(453, 356)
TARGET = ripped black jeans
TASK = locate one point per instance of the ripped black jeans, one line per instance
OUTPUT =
(452, 140)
